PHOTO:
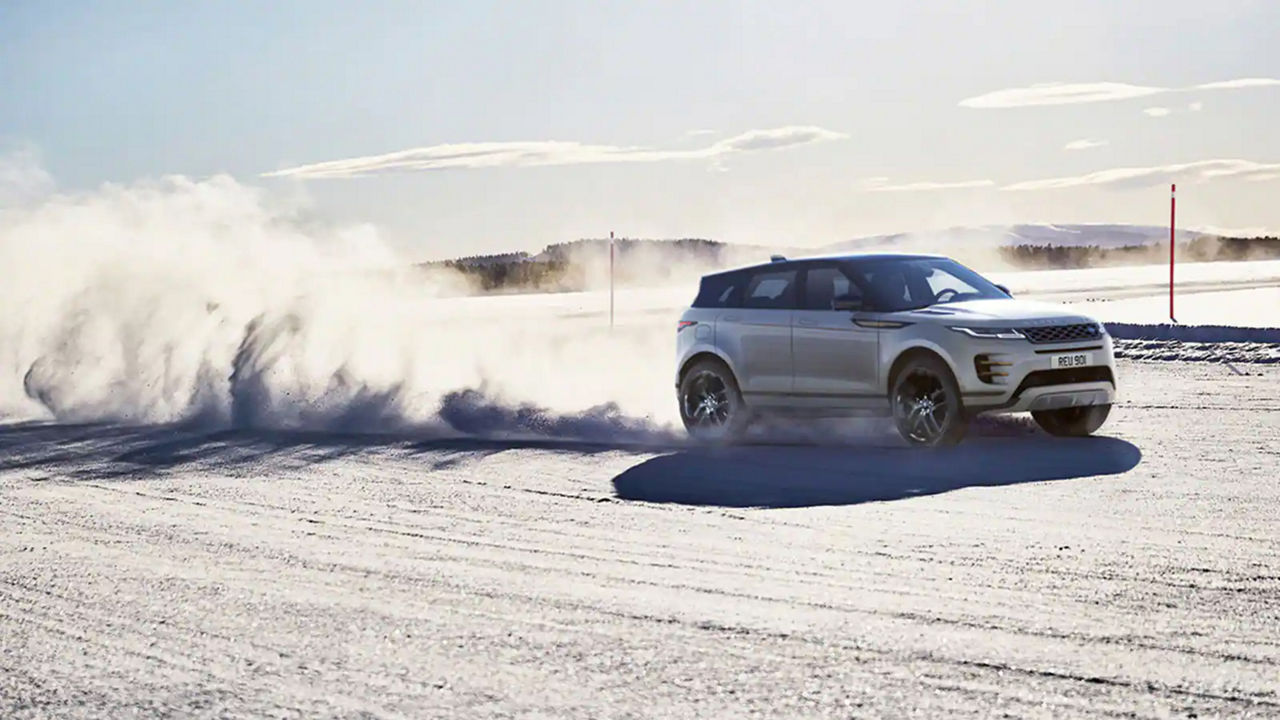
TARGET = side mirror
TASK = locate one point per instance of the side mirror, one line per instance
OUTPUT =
(1004, 290)
(850, 304)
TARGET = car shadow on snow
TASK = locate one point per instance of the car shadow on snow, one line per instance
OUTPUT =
(787, 468)
(797, 476)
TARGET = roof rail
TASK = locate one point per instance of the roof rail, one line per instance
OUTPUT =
(777, 258)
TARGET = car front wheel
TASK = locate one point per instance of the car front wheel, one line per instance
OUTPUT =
(1073, 421)
(926, 404)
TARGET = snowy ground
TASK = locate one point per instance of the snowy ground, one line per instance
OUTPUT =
(156, 572)
(821, 571)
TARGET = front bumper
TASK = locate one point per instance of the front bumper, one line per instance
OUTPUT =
(1030, 382)
(1054, 397)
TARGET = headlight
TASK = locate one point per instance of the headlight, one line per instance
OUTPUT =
(991, 333)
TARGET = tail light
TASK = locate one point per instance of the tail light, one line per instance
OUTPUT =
(685, 324)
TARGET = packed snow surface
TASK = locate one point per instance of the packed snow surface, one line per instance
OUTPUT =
(160, 572)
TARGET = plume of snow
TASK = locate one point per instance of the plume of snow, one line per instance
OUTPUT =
(213, 302)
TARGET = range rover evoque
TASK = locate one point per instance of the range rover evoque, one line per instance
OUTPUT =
(919, 337)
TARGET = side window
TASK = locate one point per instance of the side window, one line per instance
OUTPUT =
(720, 291)
(774, 290)
(824, 285)
(889, 285)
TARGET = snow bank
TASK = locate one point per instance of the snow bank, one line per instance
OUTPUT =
(1196, 343)
(1193, 333)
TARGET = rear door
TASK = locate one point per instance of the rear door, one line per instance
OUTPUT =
(835, 360)
(760, 333)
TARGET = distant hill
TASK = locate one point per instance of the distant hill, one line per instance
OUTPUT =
(995, 236)
(584, 264)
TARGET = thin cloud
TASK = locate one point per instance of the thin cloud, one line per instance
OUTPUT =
(926, 186)
(1076, 93)
(1202, 171)
(1059, 94)
(1237, 84)
(1084, 144)
(544, 153)
(1195, 106)
(1156, 111)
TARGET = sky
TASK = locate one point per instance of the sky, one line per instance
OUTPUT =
(477, 127)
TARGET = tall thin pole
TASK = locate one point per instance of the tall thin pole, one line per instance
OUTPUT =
(611, 280)
(1173, 208)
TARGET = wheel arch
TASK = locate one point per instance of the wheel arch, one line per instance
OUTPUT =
(909, 354)
(705, 355)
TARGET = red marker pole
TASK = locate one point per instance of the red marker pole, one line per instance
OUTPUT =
(1173, 207)
(611, 280)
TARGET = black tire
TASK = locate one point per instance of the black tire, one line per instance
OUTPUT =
(1073, 421)
(711, 404)
(926, 403)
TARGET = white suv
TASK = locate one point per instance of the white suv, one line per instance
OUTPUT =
(920, 337)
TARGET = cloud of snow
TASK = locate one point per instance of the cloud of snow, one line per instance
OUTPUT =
(215, 302)
(542, 153)
(22, 178)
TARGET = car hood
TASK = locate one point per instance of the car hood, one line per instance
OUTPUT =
(1001, 310)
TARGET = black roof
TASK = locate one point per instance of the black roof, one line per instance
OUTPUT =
(842, 257)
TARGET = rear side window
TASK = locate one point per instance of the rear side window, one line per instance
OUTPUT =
(824, 285)
(775, 290)
(720, 291)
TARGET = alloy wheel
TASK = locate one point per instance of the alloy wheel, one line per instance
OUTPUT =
(706, 401)
(921, 407)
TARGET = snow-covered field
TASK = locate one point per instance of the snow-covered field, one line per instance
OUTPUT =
(157, 572)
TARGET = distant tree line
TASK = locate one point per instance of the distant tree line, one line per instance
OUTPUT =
(1201, 249)
(511, 275)
(577, 265)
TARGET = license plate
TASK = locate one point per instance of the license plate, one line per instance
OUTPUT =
(1072, 360)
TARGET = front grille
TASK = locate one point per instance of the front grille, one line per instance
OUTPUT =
(1062, 333)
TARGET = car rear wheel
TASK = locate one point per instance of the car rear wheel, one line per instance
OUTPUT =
(1074, 421)
(711, 405)
(926, 404)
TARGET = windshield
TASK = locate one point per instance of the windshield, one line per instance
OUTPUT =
(913, 283)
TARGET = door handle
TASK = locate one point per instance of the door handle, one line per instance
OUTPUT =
(730, 318)
(807, 323)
